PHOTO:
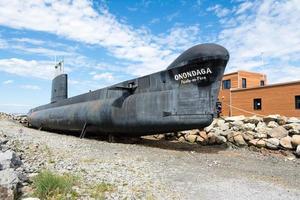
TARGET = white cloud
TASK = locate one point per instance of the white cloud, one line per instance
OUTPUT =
(7, 82)
(172, 16)
(77, 20)
(219, 10)
(30, 87)
(265, 28)
(27, 68)
(29, 40)
(106, 76)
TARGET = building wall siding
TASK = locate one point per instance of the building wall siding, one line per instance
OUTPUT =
(278, 99)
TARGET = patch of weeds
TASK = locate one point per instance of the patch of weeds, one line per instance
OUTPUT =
(149, 197)
(49, 154)
(48, 185)
(88, 160)
(98, 191)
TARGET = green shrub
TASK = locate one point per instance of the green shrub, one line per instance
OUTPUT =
(48, 185)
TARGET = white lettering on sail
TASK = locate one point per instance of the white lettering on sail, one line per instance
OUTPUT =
(192, 73)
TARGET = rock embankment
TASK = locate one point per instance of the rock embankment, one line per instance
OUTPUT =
(272, 132)
(12, 174)
(20, 118)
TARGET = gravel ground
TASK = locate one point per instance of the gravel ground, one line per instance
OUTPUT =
(157, 169)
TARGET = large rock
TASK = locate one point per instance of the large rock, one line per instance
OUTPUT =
(272, 143)
(262, 128)
(235, 118)
(253, 120)
(237, 138)
(249, 135)
(296, 140)
(9, 159)
(222, 125)
(181, 139)
(194, 132)
(293, 120)
(269, 118)
(272, 124)
(249, 127)
(220, 139)
(298, 151)
(286, 142)
(237, 125)
(211, 126)
(278, 132)
(8, 184)
(259, 135)
(203, 135)
(201, 140)
(293, 128)
(212, 137)
(191, 138)
(225, 133)
(260, 143)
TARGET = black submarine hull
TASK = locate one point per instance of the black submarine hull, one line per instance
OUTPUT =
(179, 98)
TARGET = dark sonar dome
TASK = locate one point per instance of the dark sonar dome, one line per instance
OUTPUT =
(200, 52)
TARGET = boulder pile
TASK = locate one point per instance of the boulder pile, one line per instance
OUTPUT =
(12, 175)
(20, 118)
(272, 132)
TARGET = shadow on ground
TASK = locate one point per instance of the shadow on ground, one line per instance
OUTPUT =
(150, 141)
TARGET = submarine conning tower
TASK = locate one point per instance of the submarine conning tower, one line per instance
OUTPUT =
(59, 84)
(201, 52)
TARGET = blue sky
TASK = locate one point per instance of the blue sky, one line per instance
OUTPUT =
(105, 42)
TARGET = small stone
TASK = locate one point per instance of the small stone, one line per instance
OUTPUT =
(286, 142)
(296, 140)
(272, 143)
(278, 132)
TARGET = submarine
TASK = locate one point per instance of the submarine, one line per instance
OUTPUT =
(181, 97)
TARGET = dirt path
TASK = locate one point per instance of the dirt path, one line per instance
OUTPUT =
(153, 169)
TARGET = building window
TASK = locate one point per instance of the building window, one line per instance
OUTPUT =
(226, 84)
(262, 83)
(244, 83)
(297, 102)
(257, 104)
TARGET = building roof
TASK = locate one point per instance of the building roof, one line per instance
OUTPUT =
(266, 86)
(239, 71)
